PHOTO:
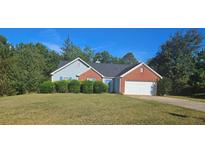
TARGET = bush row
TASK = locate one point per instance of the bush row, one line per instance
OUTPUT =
(73, 86)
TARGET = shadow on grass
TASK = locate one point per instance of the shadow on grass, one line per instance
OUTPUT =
(185, 116)
(178, 115)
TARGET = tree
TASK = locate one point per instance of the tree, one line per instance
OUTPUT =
(52, 62)
(70, 51)
(129, 58)
(106, 57)
(6, 63)
(88, 53)
(103, 57)
(116, 60)
(3, 40)
(31, 66)
(197, 79)
(51, 59)
(175, 58)
(164, 86)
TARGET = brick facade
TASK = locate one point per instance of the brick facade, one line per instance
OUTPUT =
(136, 75)
(90, 74)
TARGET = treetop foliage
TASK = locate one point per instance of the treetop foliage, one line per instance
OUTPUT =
(71, 51)
(3, 40)
(178, 59)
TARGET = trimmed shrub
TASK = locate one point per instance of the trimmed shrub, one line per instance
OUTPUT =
(74, 86)
(105, 88)
(99, 87)
(47, 87)
(164, 86)
(87, 86)
(61, 86)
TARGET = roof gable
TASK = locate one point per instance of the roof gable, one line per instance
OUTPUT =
(139, 66)
(64, 64)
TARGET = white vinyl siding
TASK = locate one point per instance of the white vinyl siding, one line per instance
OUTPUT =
(70, 72)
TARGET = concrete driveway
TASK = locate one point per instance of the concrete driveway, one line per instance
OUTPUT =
(200, 106)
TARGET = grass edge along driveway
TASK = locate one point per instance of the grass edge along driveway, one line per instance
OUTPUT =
(188, 98)
(92, 109)
(186, 103)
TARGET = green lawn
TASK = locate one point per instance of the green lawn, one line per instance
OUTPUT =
(189, 98)
(91, 109)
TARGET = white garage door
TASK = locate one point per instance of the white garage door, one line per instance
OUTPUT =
(140, 88)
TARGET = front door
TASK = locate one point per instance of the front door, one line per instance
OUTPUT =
(109, 82)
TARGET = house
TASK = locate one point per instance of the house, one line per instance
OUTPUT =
(138, 79)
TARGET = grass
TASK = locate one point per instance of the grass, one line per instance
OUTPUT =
(91, 109)
(199, 95)
(189, 98)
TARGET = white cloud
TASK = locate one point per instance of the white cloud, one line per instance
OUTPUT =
(52, 46)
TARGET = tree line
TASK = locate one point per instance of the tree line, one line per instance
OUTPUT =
(70, 51)
(23, 67)
(181, 61)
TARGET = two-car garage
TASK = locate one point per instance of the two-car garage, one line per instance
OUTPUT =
(140, 80)
(140, 88)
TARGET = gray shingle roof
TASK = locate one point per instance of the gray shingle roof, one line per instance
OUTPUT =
(112, 70)
(108, 70)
